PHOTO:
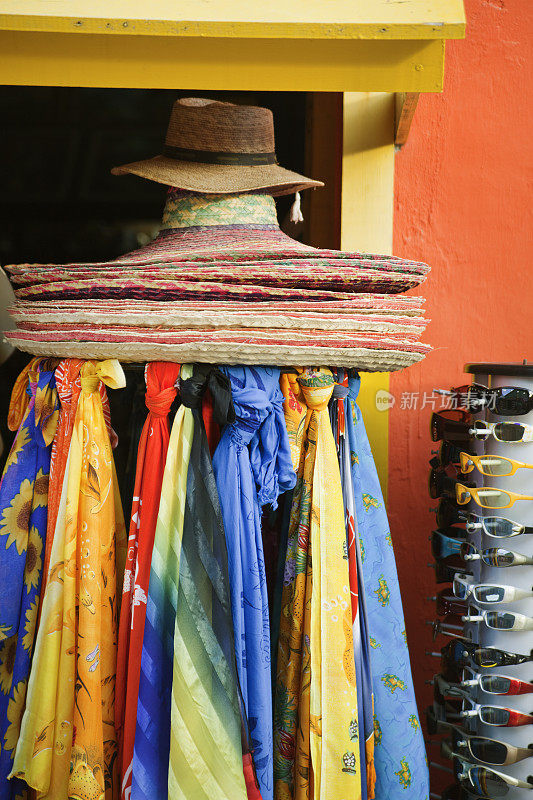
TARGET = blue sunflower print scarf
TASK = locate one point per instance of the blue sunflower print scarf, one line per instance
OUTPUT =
(34, 410)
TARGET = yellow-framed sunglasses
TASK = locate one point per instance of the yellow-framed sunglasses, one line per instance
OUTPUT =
(487, 496)
(498, 466)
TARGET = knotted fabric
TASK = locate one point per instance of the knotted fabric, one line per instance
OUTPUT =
(150, 767)
(252, 466)
(67, 745)
(400, 760)
(316, 752)
(357, 590)
(23, 510)
(68, 383)
(160, 379)
(205, 745)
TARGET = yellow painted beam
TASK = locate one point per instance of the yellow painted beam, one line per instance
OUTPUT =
(55, 59)
(310, 19)
(366, 224)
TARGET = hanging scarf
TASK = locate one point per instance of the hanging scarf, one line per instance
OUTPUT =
(34, 411)
(400, 759)
(161, 378)
(252, 467)
(316, 751)
(357, 591)
(150, 768)
(67, 745)
(205, 745)
(68, 385)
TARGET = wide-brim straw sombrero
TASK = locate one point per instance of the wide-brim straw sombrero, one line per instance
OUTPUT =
(257, 262)
(219, 148)
(222, 284)
(280, 348)
(378, 318)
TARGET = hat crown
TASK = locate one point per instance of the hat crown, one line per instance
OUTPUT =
(200, 124)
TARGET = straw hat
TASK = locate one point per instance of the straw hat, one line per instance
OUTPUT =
(219, 148)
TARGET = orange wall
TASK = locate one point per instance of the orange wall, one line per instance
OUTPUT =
(463, 205)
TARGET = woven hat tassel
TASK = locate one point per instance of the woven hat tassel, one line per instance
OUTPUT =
(296, 215)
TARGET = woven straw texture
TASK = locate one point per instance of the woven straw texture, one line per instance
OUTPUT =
(207, 352)
(207, 126)
(387, 324)
(222, 284)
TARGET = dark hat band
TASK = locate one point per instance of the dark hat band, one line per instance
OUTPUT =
(214, 157)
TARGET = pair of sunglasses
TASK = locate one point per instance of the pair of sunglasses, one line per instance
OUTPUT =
(449, 453)
(484, 496)
(500, 620)
(501, 685)
(443, 546)
(505, 401)
(447, 569)
(447, 604)
(441, 482)
(494, 466)
(463, 589)
(480, 748)
(481, 780)
(456, 425)
(488, 751)
(466, 709)
(463, 653)
(443, 690)
(490, 465)
(448, 514)
(452, 425)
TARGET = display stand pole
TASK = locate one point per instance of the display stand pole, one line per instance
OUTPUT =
(493, 376)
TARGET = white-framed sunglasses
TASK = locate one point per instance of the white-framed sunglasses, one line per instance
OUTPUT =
(464, 587)
(509, 432)
(502, 685)
(500, 620)
(497, 527)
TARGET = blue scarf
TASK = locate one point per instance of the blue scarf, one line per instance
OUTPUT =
(253, 466)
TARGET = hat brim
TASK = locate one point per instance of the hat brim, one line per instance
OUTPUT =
(218, 178)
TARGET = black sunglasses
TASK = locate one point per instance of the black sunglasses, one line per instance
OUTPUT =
(441, 482)
(447, 568)
(462, 653)
(451, 424)
(503, 400)
(449, 604)
(449, 453)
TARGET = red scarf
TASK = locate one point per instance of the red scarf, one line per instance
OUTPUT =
(153, 445)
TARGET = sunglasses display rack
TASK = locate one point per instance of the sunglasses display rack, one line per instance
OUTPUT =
(501, 469)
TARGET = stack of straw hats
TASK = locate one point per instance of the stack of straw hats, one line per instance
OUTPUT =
(221, 283)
